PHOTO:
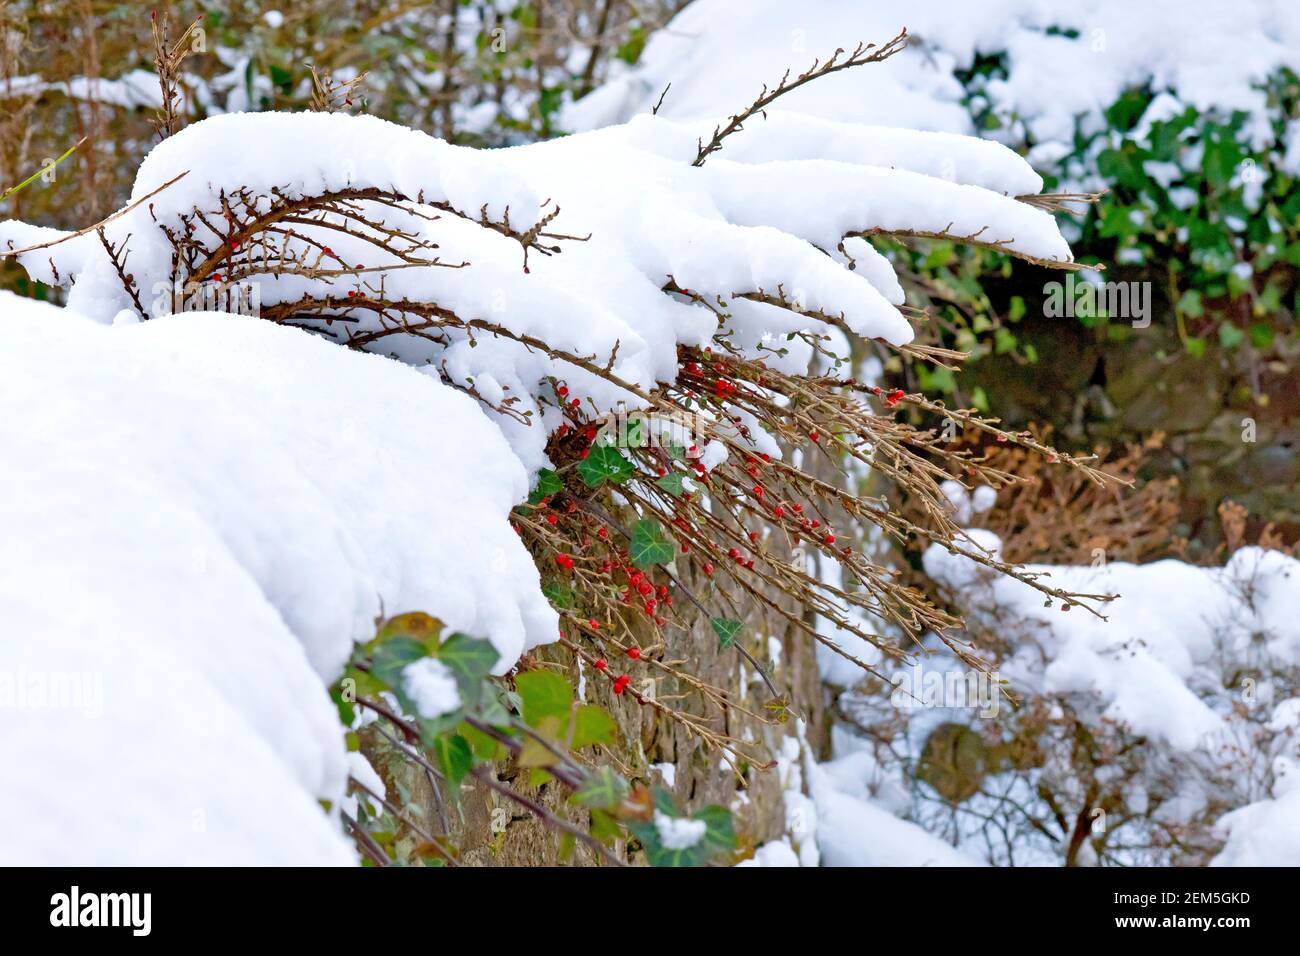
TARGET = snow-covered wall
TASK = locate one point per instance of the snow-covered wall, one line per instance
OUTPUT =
(200, 514)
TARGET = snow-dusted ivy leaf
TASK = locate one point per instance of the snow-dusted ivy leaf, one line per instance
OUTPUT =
(604, 464)
(471, 660)
(392, 656)
(548, 484)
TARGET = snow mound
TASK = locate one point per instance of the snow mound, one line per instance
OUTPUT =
(852, 831)
(201, 514)
(1062, 61)
(1171, 626)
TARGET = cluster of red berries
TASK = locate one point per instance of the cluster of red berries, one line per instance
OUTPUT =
(891, 399)
(622, 680)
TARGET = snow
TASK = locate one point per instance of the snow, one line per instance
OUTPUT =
(1265, 833)
(759, 223)
(432, 687)
(775, 853)
(360, 769)
(678, 833)
(1192, 658)
(202, 516)
(668, 771)
(1203, 54)
(856, 832)
(1140, 664)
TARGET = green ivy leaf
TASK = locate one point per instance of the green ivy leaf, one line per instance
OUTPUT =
(559, 594)
(567, 845)
(544, 694)
(393, 655)
(671, 483)
(719, 834)
(604, 827)
(548, 484)
(718, 838)
(484, 747)
(346, 708)
(1230, 336)
(726, 629)
(650, 546)
(471, 660)
(592, 725)
(604, 464)
(455, 758)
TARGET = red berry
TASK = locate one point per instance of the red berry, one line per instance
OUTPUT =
(593, 624)
(778, 511)
(830, 539)
(815, 436)
(601, 664)
(634, 653)
(552, 519)
(798, 509)
(603, 533)
(562, 391)
(564, 561)
(708, 568)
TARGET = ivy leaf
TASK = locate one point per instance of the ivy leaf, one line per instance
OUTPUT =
(592, 725)
(726, 629)
(548, 484)
(534, 753)
(719, 834)
(484, 747)
(604, 463)
(567, 845)
(718, 838)
(433, 727)
(418, 625)
(559, 594)
(346, 707)
(603, 790)
(455, 758)
(470, 660)
(393, 655)
(544, 694)
(650, 546)
(604, 827)
(671, 483)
